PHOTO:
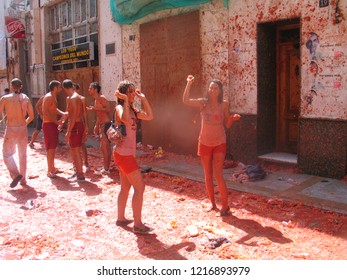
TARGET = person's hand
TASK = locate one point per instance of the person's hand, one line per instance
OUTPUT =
(139, 93)
(96, 130)
(90, 108)
(190, 78)
(85, 135)
(60, 124)
(67, 137)
(64, 116)
(121, 95)
(235, 117)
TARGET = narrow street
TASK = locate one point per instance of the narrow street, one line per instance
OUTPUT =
(59, 219)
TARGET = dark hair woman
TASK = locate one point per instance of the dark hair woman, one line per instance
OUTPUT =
(125, 153)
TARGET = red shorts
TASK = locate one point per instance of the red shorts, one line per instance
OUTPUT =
(50, 135)
(76, 136)
(126, 164)
(204, 150)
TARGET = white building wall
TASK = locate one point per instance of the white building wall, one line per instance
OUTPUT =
(2, 37)
(110, 65)
(214, 45)
(37, 67)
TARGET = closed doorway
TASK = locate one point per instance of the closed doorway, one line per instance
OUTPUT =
(170, 51)
(288, 88)
(279, 83)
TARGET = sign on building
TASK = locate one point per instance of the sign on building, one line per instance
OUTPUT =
(15, 27)
(75, 53)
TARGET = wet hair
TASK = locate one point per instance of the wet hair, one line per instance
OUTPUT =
(16, 84)
(7, 90)
(76, 86)
(96, 86)
(53, 84)
(221, 92)
(67, 84)
(123, 88)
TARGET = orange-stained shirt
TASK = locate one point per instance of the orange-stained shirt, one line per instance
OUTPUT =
(128, 145)
(212, 132)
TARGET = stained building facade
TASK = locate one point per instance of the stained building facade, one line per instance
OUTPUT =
(282, 64)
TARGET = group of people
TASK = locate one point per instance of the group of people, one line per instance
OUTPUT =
(214, 113)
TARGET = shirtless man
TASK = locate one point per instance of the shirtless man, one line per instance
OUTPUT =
(38, 108)
(103, 122)
(50, 124)
(75, 129)
(17, 106)
(85, 120)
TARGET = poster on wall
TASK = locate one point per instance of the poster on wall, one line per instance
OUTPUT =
(15, 28)
(325, 83)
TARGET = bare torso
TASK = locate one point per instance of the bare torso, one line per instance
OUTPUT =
(102, 103)
(16, 107)
(49, 108)
(75, 108)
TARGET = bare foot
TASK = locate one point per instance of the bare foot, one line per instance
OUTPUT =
(224, 212)
(212, 208)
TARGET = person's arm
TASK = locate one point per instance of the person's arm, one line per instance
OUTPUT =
(105, 106)
(30, 111)
(38, 106)
(229, 119)
(85, 116)
(71, 109)
(1, 104)
(96, 127)
(186, 94)
(147, 113)
(122, 112)
(61, 113)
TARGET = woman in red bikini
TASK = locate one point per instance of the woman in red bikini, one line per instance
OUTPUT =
(212, 138)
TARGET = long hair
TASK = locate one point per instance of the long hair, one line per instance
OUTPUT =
(123, 88)
(221, 92)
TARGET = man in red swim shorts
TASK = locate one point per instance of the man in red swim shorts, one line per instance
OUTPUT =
(50, 124)
(75, 130)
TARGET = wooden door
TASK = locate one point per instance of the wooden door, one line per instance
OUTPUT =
(288, 88)
(170, 51)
